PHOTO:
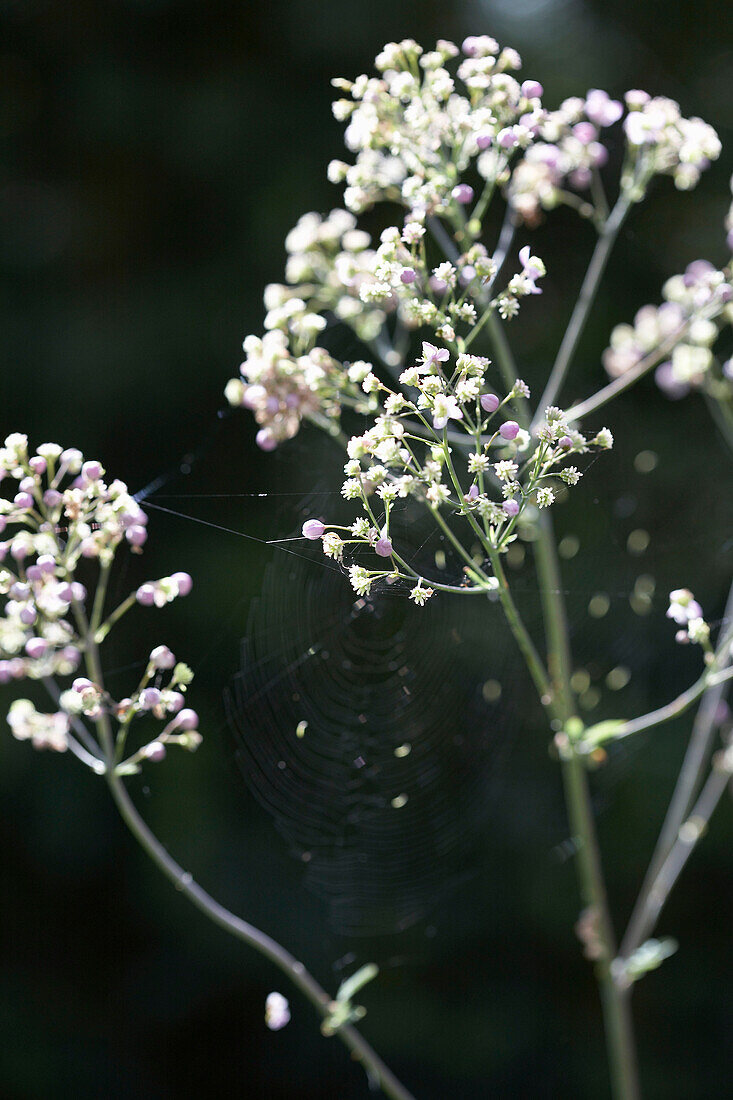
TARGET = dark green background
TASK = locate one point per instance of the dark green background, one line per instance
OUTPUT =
(153, 156)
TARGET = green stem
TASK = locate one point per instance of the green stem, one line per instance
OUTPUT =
(253, 937)
(615, 1003)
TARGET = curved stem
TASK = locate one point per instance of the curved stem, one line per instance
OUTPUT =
(237, 927)
(588, 290)
(253, 937)
(693, 766)
(671, 867)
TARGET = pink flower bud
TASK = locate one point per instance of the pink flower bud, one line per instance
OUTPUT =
(383, 547)
(36, 647)
(408, 275)
(463, 194)
(186, 720)
(489, 402)
(265, 440)
(532, 89)
(155, 752)
(183, 582)
(38, 465)
(136, 536)
(510, 508)
(509, 429)
(313, 529)
(145, 595)
(162, 657)
(149, 698)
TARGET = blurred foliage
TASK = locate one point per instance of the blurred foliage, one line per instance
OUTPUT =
(154, 154)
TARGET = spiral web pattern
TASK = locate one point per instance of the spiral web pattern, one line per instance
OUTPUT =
(363, 731)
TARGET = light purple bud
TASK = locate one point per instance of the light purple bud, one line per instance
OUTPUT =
(186, 720)
(671, 386)
(729, 239)
(507, 139)
(408, 275)
(145, 595)
(585, 132)
(27, 484)
(383, 547)
(78, 591)
(38, 464)
(510, 508)
(463, 194)
(467, 274)
(265, 440)
(5, 673)
(17, 668)
(509, 429)
(437, 285)
(149, 698)
(183, 582)
(52, 497)
(472, 492)
(18, 551)
(34, 573)
(71, 654)
(20, 591)
(46, 563)
(91, 471)
(162, 657)
(81, 684)
(313, 529)
(23, 500)
(532, 89)
(136, 536)
(489, 402)
(155, 752)
(174, 702)
(36, 647)
(484, 140)
(28, 616)
(470, 45)
(565, 442)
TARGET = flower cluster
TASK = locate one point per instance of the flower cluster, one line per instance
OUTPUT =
(415, 130)
(61, 515)
(688, 614)
(565, 153)
(58, 512)
(662, 142)
(410, 453)
(685, 327)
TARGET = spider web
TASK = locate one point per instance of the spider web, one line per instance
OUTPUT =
(363, 731)
(375, 734)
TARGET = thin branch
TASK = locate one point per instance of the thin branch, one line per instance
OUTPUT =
(688, 781)
(587, 295)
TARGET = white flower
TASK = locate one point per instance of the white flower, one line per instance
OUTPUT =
(445, 408)
(277, 1011)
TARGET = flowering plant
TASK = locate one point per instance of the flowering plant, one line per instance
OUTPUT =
(433, 415)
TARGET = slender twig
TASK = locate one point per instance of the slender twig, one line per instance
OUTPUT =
(373, 1065)
(709, 681)
(627, 379)
(588, 290)
(688, 781)
(688, 834)
(253, 937)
